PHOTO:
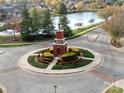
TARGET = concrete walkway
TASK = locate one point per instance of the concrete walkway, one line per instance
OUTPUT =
(87, 58)
(52, 63)
(1, 52)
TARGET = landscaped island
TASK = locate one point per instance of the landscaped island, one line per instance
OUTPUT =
(65, 57)
(73, 58)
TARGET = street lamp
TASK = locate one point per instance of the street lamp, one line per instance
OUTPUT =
(55, 86)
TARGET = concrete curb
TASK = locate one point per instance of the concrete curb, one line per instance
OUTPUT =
(117, 49)
(26, 66)
(3, 88)
(1, 52)
(117, 83)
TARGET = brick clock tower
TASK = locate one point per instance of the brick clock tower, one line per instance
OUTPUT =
(60, 45)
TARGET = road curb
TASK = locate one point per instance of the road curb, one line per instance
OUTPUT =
(113, 84)
(3, 88)
(1, 52)
(117, 49)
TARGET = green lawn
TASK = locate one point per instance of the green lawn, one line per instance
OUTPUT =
(15, 44)
(71, 66)
(6, 41)
(76, 31)
(33, 62)
(114, 89)
(84, 30)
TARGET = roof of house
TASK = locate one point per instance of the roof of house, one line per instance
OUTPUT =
(3, 11)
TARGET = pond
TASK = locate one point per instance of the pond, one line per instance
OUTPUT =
(83, 18)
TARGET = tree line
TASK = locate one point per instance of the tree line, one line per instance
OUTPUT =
(35, 21)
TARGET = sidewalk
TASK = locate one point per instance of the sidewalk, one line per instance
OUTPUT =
(52, 63)
(1, 52)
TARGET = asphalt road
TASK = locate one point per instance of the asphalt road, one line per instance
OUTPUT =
(16, 80)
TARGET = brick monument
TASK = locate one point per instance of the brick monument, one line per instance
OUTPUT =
(60, 45)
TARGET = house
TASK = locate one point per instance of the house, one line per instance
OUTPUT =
(3, 14)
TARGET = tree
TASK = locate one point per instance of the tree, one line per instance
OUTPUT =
(19, 1)
(47, 24)
(115, 28)
(38, 10)
(2, 1)
(36, 20)
(64, 25)
(105, 13)
(26, 26)
(79, 6)
(61, 8)
(118, 2)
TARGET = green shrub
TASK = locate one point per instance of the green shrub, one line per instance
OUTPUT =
(47, 56)
(86, 53)
(32, 61)
(114, 90)
(80, 63)
(75, 50)
(48, 50)
(69, 56)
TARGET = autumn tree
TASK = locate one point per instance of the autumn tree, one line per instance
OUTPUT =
(79, 6)
(115, 27)
(2, 1)
(105, 13)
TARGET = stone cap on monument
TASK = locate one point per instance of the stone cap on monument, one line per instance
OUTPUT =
(60, 34)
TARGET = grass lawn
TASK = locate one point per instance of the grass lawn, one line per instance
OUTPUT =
(6, 41)
(15, 44)
(83, 30)
(76, 31)
(32, 61)
(71, 66)
(114, 89)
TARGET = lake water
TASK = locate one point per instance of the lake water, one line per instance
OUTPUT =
(83, 18)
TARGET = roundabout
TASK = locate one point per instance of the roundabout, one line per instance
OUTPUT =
(24, 64)
(93, 80)
(60, 58)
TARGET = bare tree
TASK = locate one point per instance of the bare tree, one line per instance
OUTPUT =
(115, 27)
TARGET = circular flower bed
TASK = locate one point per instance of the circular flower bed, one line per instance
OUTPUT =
(76, 59)
(73, 58)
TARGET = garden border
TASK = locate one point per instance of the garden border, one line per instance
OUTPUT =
(117, 49)
(3, 88)
(110, 85)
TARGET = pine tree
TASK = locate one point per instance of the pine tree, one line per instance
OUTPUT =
(47, 24)
(64, 25)
(61, 8)
(25, 25)
(36, 20)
